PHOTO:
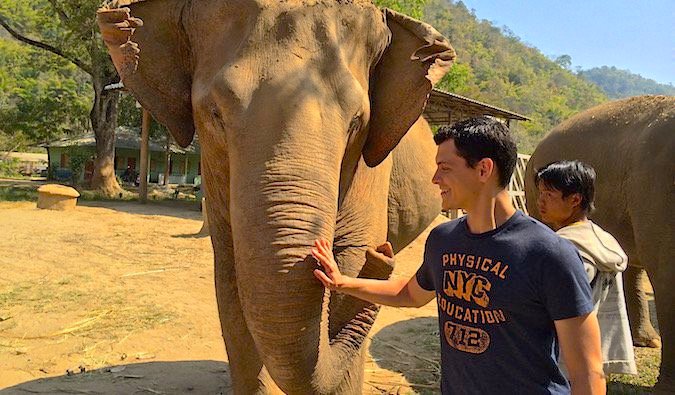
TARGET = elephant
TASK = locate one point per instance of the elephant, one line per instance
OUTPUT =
(630, 143)
(309, 117)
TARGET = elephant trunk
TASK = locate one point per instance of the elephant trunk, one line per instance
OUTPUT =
(283, 198)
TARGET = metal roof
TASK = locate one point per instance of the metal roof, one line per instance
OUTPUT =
(445, 108)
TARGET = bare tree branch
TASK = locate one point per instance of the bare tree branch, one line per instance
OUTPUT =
(6, 155)
(44, 46)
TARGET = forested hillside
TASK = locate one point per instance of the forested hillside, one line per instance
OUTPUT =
(495, 66)
(43, 96)
(618, 83)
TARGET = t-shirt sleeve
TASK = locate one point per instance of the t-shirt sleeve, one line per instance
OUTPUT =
(566, 290)
(424, 274)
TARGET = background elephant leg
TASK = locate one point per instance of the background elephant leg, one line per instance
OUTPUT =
(644, 334)
(246, 368)
(665, 297)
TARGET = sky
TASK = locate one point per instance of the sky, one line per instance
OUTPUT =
(631, 35)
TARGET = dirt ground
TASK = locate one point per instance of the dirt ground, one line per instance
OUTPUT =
(125, 291)
(118, 298)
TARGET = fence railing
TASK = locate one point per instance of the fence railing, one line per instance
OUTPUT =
(517, 184)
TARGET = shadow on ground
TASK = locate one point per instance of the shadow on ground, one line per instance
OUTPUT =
(411, 349)
(169, 208)
(623, 388)
(181, 377)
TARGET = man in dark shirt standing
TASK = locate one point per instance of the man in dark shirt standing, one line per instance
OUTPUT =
(510, 292)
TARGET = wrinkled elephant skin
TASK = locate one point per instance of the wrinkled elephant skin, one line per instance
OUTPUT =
(298, 107)
(631, 145)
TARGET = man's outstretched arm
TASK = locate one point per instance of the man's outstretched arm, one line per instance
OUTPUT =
(392, 292)
(580, 348)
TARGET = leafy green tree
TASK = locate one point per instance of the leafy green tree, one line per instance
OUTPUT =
(414, 8)
(130, 115)
(9, 167)
(68, 29)
(41, 96)
(564, 61)
(459, 76)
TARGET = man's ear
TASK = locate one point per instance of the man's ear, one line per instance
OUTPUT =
(417, 57)
(486, 168)
(151, 56)
(575, 199)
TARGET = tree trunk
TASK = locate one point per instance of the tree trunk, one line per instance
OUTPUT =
(104, 121)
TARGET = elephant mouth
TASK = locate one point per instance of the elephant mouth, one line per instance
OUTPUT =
(339, 249)
(363, 313)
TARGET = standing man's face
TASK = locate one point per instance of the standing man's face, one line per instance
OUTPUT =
(555, 209)
(458, 182)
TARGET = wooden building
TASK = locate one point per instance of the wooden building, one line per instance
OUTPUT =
(445, 108)
(184, 163)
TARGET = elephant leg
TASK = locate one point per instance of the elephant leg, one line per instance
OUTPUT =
(644, 334)
(665, 297)
(246, 368)
(654, 232)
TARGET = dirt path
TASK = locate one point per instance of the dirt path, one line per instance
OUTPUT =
(125, 291)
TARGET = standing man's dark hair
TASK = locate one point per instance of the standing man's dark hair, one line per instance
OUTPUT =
(483, 137)
(570, 177)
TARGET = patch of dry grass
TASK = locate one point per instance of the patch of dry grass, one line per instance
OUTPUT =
(108, 316)
(648, 361)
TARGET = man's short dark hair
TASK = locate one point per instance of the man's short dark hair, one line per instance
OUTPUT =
(568, 177)
(483, 137)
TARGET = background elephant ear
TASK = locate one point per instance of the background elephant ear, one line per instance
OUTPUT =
(162, 79)
(417, 57)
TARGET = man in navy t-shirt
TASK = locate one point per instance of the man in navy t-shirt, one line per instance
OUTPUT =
(510, 292)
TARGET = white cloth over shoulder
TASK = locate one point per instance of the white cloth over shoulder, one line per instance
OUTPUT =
(605, 260)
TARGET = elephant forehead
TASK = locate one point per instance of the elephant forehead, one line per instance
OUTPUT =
(282, 43)
(301, 28)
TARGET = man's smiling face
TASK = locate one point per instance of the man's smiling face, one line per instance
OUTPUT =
(459, 183)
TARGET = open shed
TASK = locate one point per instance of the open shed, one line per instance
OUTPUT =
(445, 108)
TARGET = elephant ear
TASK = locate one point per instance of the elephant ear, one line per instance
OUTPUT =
(417, 57)
(149, 48)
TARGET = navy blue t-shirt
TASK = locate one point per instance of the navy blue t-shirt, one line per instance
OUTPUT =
(498, 294)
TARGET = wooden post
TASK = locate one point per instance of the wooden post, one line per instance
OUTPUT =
(186, 167)
(167, 158)
(145, 133)
(149, 159)
(49, 164)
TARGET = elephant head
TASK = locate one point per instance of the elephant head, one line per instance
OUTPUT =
(291, 101)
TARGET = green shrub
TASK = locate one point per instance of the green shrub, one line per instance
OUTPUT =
(9, 168)
(13, 193)
(78, 158)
